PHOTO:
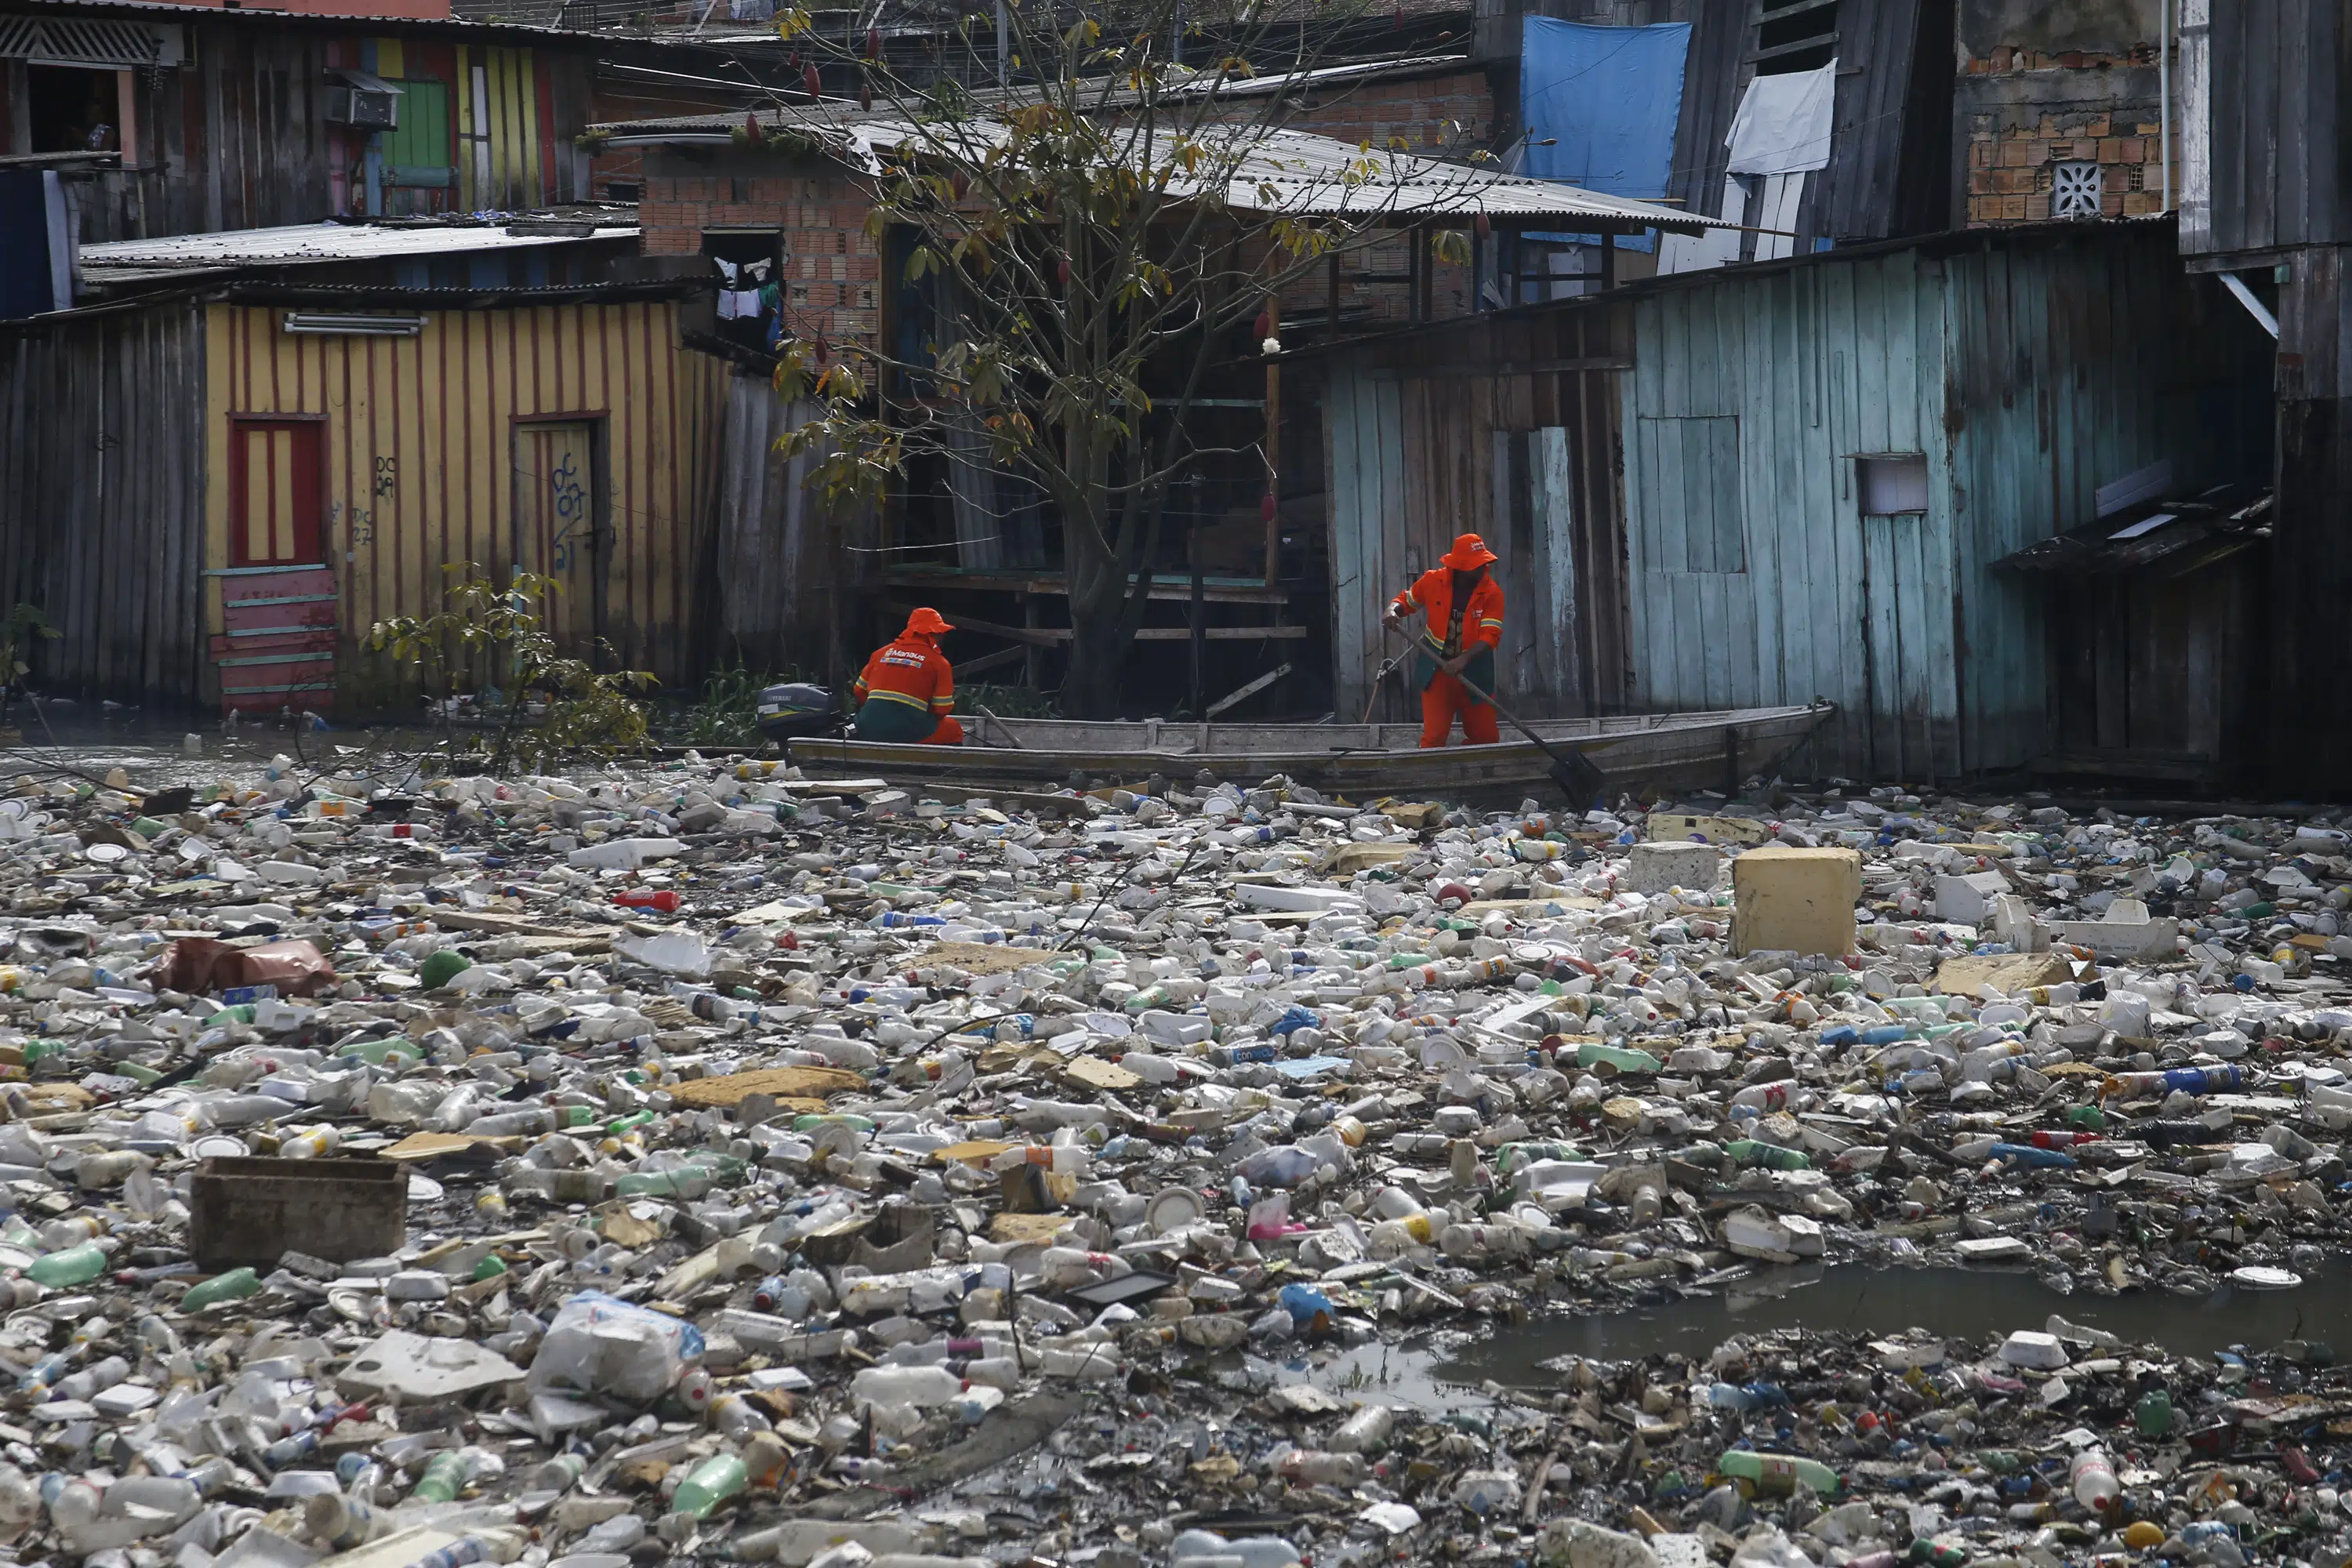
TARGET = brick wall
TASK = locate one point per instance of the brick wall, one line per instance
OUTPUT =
(1452, 113)
(831, 269)
(2031, 114)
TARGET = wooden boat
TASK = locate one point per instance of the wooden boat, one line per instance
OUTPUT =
(1634, 751)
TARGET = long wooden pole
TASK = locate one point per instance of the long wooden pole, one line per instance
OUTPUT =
(1273, 447)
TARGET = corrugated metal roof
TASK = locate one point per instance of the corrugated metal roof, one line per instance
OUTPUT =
(453, 27)
(301, 244)
(1281, 170)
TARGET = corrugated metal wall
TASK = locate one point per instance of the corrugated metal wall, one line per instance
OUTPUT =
(100, 471)
(2027, 373)
(421, 445)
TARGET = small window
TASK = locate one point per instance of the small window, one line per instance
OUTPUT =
(750, 265)
(1794, 36)
(1894, 485)
(2076, 189)
(274, 492)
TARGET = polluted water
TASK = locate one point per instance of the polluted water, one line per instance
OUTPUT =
(693, 1159)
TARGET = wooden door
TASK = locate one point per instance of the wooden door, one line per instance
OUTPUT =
(275, 648)
(1911, 607)
(560, 530)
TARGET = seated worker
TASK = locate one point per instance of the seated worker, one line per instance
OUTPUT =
(907, 692)
(1464, 609)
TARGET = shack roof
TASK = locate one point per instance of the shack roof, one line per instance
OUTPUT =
(1282, 171)
(127, 261)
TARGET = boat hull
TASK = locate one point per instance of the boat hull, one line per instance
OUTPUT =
(1680, 750)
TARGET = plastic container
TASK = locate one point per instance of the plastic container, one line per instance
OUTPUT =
(2091, 1479)
(918, 1388)
(234, 1286)
(708, 1485)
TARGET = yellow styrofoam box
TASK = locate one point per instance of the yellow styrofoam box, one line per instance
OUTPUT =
(1785, 899)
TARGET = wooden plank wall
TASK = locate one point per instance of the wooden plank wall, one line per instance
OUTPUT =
(240, 140)
(101, 474)
(2028, 373)
(1411, 450)
(1888, 168)
(2276, 76)
(420, 457)
(783, 575)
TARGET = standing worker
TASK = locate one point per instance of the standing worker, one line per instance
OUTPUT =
(907, 692)
(1464, 607)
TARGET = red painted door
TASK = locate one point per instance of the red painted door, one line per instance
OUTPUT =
(277, 645)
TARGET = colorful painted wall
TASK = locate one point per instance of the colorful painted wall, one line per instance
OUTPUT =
(574, 440)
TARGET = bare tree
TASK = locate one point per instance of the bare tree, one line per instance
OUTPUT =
(1105, 232)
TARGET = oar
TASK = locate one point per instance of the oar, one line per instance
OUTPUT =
(1570, 769)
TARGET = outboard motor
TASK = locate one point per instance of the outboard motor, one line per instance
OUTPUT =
(798, 710)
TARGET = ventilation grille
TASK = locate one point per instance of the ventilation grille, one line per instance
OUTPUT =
(81, 41)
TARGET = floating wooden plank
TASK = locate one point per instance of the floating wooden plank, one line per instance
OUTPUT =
(1093, 1072)
(2009, 973)
(808, 1083)
(980, 957)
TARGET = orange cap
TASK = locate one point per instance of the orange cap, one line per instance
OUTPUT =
(926, 621)
(1469, 554)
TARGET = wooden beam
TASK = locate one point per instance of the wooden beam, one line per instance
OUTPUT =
(1511, 367)
(987, 661)
(1220, 634)
(1054, 636)
(1043, 637)
(1244, 693)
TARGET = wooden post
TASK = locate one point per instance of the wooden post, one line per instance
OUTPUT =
(1274, 447)
(1609, 260)
(1199, 618)
(1425, 245)
(1333, 274)
(1033, 665)
(126, 116)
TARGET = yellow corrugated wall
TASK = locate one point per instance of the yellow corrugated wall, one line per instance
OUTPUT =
(419, 454)
(507, 113)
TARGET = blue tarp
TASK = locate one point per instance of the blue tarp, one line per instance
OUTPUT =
(1607, 99)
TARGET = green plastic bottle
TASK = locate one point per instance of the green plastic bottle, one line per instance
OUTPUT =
(710, 1483)
(1777, 1473)
(2153, 1412)
(234, 1286)
(1620, 1058)
(443, 1479)
(1771, 1156)
(74, 1265)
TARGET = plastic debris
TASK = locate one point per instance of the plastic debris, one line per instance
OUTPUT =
(816, 1171)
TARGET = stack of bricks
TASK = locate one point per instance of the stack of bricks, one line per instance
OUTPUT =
(2027, 152)
(830, 268)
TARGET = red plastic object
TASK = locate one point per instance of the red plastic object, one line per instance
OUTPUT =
(648, 899)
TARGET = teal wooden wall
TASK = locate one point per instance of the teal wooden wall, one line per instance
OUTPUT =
(2027, 370)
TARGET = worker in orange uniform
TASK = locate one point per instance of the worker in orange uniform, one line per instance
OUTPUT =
(1463, 625)
(907, 692)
